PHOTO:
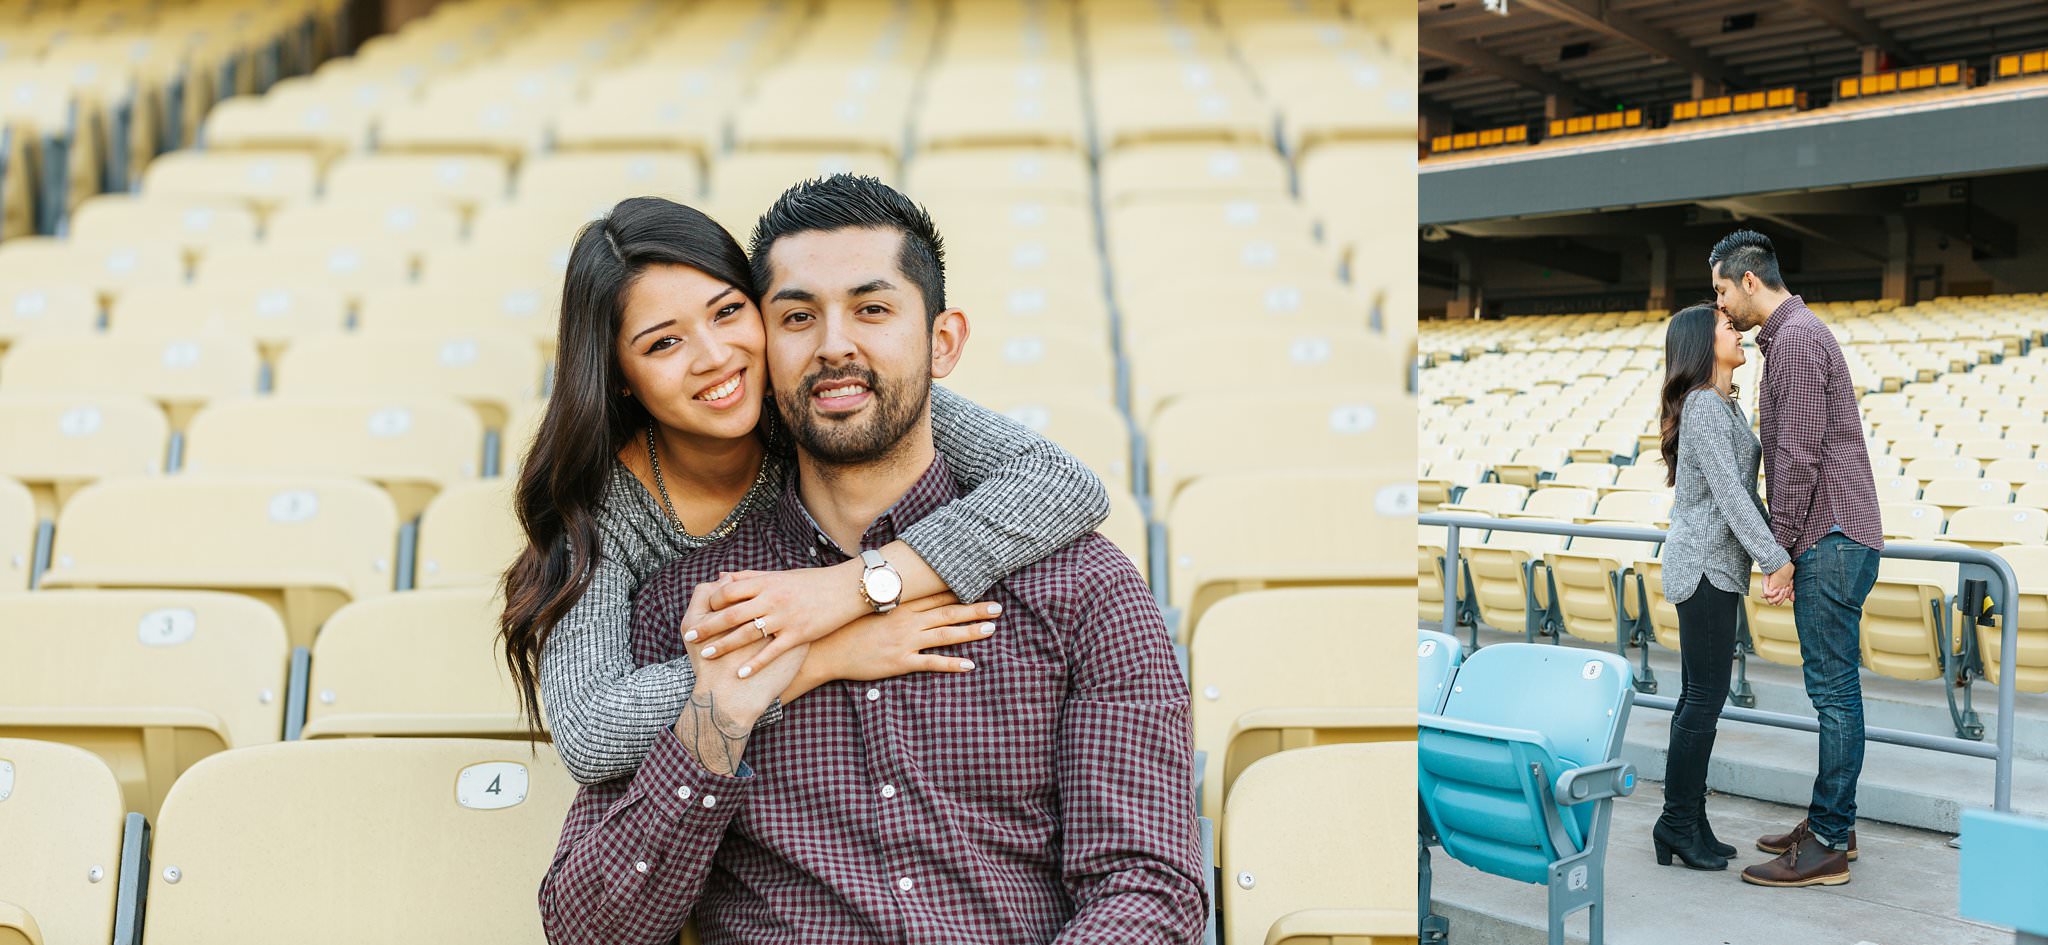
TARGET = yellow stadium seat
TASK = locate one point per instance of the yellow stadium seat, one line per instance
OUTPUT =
(1126, 528)
(994, 104)
(1491, 499)
(1902, 617)
(749, 181)
(1309, 362)
(282, 122)
(1663, 613)
(419, 663)
(1587, 599)
(1989, 527)
(1047, 362)
(1903, 490)
(1953, 494)
(463, 181)
(305, 546)
(603, 178)
(469, 535)
(1090, 429)
(490, 373)
(180, 374)
(412, 446)
(495, 128)
(1501, 584)
(1317, 528)
(1279, 431)
(1024, 173)
(1988, 450)
(2030, 565)
(1197, 171)
(512, 307)
(449, 837)
(637, 122)
(1245, 708)
(37, 306)
(259, 180)
(1912, 521)
(150, 681)
(1648, 509)
(413, 226)
(1582, 474)
(1925, 468)
(18, 523)
(1645, 475)
(2017, 471)
(57, 442)
(105, 268)
(195, 224)
(1282, 887)
(61, 812)
(2033, 495)
(1562, 503)
(351, 266)
(274, 315)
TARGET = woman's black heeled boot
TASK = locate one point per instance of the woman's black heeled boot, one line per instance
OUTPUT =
(1707, 834)
(1690, 848)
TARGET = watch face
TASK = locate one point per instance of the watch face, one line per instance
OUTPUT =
(883, 585)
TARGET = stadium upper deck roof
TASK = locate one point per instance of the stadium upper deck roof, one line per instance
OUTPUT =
(1480, 69)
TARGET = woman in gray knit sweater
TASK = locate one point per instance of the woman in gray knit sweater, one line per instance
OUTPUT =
(1718, 528)
(655, 444)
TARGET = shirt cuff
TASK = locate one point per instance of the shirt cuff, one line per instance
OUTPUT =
(681, 790)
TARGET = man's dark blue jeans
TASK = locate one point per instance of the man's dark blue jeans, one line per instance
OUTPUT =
(1829, 584)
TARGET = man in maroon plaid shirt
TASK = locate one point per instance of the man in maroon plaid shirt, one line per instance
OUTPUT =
(1045, 796)
(1823, 508)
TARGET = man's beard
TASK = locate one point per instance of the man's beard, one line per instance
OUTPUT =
(892, 412)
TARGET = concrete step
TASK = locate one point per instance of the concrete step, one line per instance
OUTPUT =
(1903, 890)
(1906, 786)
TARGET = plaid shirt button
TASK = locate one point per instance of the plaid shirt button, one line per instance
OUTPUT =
(874, 694)
(683, 792)
(640, 867)
(888, 790)
(905, 884)
(710, 801)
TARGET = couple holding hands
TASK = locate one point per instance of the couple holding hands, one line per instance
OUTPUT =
(1818, 545)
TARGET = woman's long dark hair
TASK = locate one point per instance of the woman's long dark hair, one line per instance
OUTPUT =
(588, 417)
(1688, 366)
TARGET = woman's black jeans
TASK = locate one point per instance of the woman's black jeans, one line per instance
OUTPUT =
(1706, 647)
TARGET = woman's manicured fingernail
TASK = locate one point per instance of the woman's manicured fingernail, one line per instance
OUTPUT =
(711, 651)
(690, 637)
(746, 671)
(966, 664)
(994, 609)
(987, 629)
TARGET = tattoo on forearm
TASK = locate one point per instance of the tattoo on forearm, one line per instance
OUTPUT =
(710, 735)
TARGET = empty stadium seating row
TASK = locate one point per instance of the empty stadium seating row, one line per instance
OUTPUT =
(90, 93)
(191, 702)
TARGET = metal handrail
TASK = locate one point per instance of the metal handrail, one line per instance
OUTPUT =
(2001, 584)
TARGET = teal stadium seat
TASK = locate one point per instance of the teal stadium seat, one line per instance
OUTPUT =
(1437, 655)
(1519, 771)
(2001, 872)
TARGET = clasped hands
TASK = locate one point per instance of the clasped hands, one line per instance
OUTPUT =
(1778, 586)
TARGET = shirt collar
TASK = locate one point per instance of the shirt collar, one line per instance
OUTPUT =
(1778, 318)
(930, 492)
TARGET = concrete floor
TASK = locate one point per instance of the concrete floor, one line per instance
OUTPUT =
(1903, 890)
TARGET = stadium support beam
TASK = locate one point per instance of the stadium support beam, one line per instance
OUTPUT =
(1471, 55)
(1446, 116)
(1563, 255)
(1856, 26)
(1607, 21)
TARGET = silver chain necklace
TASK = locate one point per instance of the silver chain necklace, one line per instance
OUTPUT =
(732, 519)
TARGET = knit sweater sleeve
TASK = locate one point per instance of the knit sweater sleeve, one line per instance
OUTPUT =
(1025, 498)
(603, 711)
